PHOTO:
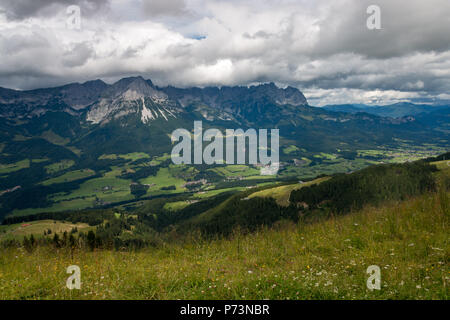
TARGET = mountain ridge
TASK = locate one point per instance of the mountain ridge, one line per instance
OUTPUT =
(78, 97)
(396, 110)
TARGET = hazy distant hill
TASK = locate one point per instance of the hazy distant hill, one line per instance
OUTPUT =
(396, 110)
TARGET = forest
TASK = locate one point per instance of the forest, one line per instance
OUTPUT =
(221, 215)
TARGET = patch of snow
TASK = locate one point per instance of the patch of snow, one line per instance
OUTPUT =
(146, 115)
(162, 113)
(170, 112)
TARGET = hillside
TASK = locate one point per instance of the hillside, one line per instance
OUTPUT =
(94, 145)
(397, 110)
(408, 240)
(254, 246)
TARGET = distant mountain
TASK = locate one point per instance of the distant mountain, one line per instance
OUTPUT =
(132, 95)
(84, 121)
(396, 110)
(85, 130)
(242, 103)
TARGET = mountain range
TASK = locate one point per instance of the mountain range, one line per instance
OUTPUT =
(396, 110)
(77, 129)
(95, 117)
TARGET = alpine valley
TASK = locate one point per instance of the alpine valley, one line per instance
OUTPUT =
(97, 145)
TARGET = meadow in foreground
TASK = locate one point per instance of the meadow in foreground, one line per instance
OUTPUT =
(323, 260)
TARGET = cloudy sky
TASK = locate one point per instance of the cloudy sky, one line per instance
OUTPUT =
(322, 47)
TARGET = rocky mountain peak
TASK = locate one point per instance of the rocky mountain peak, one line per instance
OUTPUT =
(134, 88)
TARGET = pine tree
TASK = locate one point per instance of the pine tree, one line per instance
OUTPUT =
(72, 241)
(91, 239)
(32, 241)
(56, 240)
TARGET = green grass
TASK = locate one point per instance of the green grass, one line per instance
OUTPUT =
(129, 156)
(177, 205)
(70, 176)
(325, 260)
(19, 137)
(211, 193)
(326, 167)
(290, 149)
(8, 168)
(237, 170)
(76, 151)
(402, 154)
(324, 155)
(64, 205)
(52, 137)
(281, 194)
(91, 193)
(40, 160)
(59, 166)
(164, 178)
(118, 189)
(37, 228)
(442, 165)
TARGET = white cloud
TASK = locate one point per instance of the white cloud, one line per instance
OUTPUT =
(322, 47)
(322, 97)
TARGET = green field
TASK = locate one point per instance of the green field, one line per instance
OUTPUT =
(64, 205)
(8, 168)
(92, 193)
(290, 149)
(211, 193)
(237, 170)
(282, 193)
(37, 228)
(70, 176)
(164, 178)
(442, 165)
(107, 188)
(39, 160)
(324, 260)
(129, 156)
(177, 205)
(52, 137)
(59, 166)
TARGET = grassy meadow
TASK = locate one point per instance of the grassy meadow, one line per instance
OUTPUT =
(326, 259)
(281, 194)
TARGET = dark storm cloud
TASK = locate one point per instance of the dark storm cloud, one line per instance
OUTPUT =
(78, 56)
(155, 8)
(323, 46)
(22, 9)
(407, 26)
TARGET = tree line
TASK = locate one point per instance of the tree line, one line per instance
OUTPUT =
(373, 185)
